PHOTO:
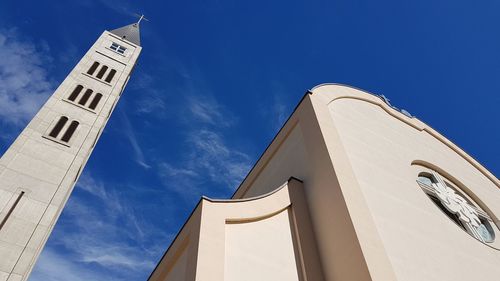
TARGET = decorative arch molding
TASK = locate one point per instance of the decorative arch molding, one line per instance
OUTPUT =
(362, 95)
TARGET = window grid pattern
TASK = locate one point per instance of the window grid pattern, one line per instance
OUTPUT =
(83, 100)
(118, 48)
(101, 74)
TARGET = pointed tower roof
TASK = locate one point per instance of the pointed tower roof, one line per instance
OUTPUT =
(129, 32)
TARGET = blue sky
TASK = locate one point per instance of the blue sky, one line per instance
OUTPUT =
(215, 82)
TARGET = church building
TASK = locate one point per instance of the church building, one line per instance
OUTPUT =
(350, 189)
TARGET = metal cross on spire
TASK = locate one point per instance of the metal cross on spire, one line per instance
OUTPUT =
(141, 17)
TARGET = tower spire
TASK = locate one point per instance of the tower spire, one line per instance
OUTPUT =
(131, 32)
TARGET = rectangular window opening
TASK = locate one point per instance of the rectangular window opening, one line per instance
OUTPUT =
(9, 213)
(118, 48)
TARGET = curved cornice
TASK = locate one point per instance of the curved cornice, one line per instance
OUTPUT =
(359, 94)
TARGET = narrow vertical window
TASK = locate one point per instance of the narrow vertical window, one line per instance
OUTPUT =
(4, 220)
(102, 71)
(95, 101)
(75, 93)
(85, 97)
(110, 75)
(58, 127)
(71, 130)
(93, 68)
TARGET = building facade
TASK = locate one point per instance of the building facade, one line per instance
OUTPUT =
(40, 169)
(351, 188)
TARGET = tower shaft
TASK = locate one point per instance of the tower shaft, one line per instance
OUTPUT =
(39, 170)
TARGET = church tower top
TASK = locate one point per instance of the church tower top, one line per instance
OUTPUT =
(130, 32)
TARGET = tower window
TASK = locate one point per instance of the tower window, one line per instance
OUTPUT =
(117, 48)
(95, 101)
(58, 127)
(2, 223)
(110, 75)
(93, 68)
(75, 93)
(85, 97)
(70, 131)
(102, 71)
(61, 126)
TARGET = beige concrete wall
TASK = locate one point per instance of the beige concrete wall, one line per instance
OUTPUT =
(46, 169)
(263, 238)
(300, 150)
(420, 241)
(289, 160)
(260, 250)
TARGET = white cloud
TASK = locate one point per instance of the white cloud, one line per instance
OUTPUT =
(117, 256)
(89, 184)
(24, 81)
(152, 103)
(280, 112)
(151, 100)
(208, 159)
(170, 171)
(221, 164)
(99, 235)
(136, 147)
(54, 266)
(206, 110)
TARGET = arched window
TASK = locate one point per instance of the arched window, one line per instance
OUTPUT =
(85, 97)
(102, 71)
(75, 93)
(58, 127)
(70, 131)
(95, 101)
(93, 68)
(110, 75)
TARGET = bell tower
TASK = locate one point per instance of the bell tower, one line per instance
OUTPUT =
(39, 170)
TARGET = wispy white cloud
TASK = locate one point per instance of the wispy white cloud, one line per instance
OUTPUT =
(152, 100)
(276, 108)
(205, 109)
(169, 171)
(219, 162)
(89, 184)
(208, 159)
(100, 234)
(280, 112)
(55, 266)
(24, 81)
(129, 132)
